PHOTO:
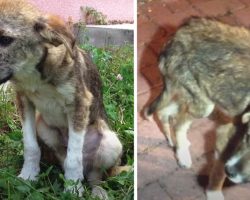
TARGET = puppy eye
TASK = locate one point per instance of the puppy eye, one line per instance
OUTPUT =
(5, 41)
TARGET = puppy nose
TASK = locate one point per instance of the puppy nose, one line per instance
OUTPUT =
(231, 171)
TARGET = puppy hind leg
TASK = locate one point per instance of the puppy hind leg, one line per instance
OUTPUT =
(168, 132)
(109, 151)
(165, 116)
(106, 156)
(94, 178)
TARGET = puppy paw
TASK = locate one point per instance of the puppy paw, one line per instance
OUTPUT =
(99, 192)
(184, 157)
(75, 188)
(214, 195)
(29, 173)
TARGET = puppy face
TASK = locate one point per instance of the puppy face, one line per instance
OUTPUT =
(18, 41)
(24, 31)
(237, 167)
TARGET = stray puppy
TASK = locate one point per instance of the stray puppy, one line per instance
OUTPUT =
(58, 82)
(206, 69)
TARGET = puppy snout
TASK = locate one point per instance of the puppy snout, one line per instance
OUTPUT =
(5, 75)
(231, 171)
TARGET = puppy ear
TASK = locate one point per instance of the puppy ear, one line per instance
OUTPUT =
(54, 31)
(245, 118)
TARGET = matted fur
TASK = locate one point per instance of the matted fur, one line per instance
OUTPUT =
(206, 71)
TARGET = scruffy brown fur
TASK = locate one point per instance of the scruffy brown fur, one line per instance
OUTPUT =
(58, 96)
(206, 72)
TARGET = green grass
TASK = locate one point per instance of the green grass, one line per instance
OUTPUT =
(118, 100)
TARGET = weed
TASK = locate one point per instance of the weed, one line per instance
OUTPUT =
(92, 16)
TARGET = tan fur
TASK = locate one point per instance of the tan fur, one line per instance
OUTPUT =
(20, 106)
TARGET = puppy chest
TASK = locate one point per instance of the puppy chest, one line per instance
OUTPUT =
(52, 105)
(51, 110)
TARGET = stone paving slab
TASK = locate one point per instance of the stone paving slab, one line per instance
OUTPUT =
(153, 191)
(182, 184)
(149, 136)
(154, 164)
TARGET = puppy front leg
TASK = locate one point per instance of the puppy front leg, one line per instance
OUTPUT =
(224, 133)
(32, 153)
(73, 165)
(216, 180)
(77, 124)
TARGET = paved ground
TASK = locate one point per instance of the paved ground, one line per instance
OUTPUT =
(159, 177)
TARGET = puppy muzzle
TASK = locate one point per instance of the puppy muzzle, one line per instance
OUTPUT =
(6, 76)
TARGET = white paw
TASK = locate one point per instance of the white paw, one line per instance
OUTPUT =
(73, 167)
(29, 172)
(214, 195)
(75, 189)
(73, 176)
(72, 172)
(184, 157)
(99, 192)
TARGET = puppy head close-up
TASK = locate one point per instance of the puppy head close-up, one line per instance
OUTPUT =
(237, 167)
(24, 32)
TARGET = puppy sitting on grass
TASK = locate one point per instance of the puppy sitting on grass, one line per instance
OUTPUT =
(206, 69)
(58, 95)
